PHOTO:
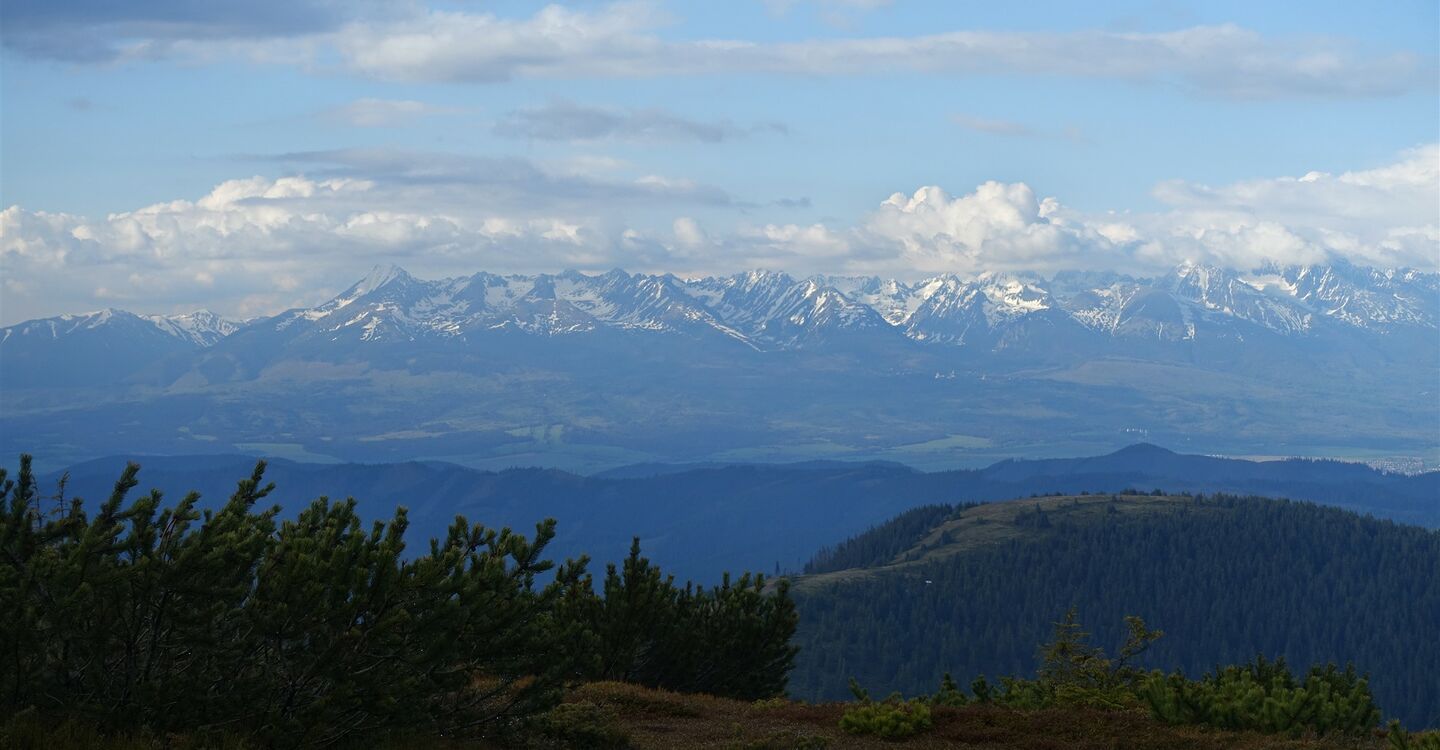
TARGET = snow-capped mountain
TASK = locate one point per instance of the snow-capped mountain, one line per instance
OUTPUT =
(656, 367)
(767, 310)
(201, 328)
(102, 347)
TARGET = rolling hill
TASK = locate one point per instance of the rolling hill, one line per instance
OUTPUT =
(701, 521)
(973, 589)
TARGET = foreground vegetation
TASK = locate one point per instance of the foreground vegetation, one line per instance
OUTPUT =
(142, 626)
(317, 631)
(613, 715)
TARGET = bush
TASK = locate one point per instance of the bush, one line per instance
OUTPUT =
(891, 718)
(1403, 740)
(1264, 696)
(582, 724)
(949, 694)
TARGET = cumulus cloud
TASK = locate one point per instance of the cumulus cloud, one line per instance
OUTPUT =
(997, 227)
(1384, 217)
(409, 42)
(1388, 216)
(258, 245)
(568, 121)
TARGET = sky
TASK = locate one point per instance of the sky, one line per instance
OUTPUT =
(167, 155)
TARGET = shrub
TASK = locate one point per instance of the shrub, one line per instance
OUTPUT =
(949, 694)
(1265, 696)
(891, 718)
(582, 724)
(1403, 740)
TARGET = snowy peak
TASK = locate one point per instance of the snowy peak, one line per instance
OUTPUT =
(200, 329)
(379, 277)
(1366, 298)
(773, 310)
(770, 310)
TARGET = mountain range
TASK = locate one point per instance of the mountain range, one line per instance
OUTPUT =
(561, 369)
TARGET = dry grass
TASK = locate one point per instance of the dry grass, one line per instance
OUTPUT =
(647, 719)
(658, 719)
(995, 523)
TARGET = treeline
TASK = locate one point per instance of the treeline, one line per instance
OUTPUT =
(319, 631)
(880, 544)
(1228, 577)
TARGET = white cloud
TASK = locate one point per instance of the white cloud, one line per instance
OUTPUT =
(621, 41)
(1386, 216)
(258, 245)
(996, 227)
(688, 233)
(410, 42)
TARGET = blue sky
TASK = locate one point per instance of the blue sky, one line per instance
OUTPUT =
(698, 138)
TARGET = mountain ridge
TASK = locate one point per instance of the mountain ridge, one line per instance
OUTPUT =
(806, 505)
(775, 309)
(1333, 361)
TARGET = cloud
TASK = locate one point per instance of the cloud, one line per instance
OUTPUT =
(258, 245)
(567, 121)
(381, 113)
(997, 227)
(619, 41)
(1387, 216)
(461, 181)
(100, 31)
(409, 42)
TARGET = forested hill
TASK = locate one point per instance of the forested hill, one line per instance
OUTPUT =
(701, 521)
(971, 590)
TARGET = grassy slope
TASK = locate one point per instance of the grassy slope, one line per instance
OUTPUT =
(994, 523)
